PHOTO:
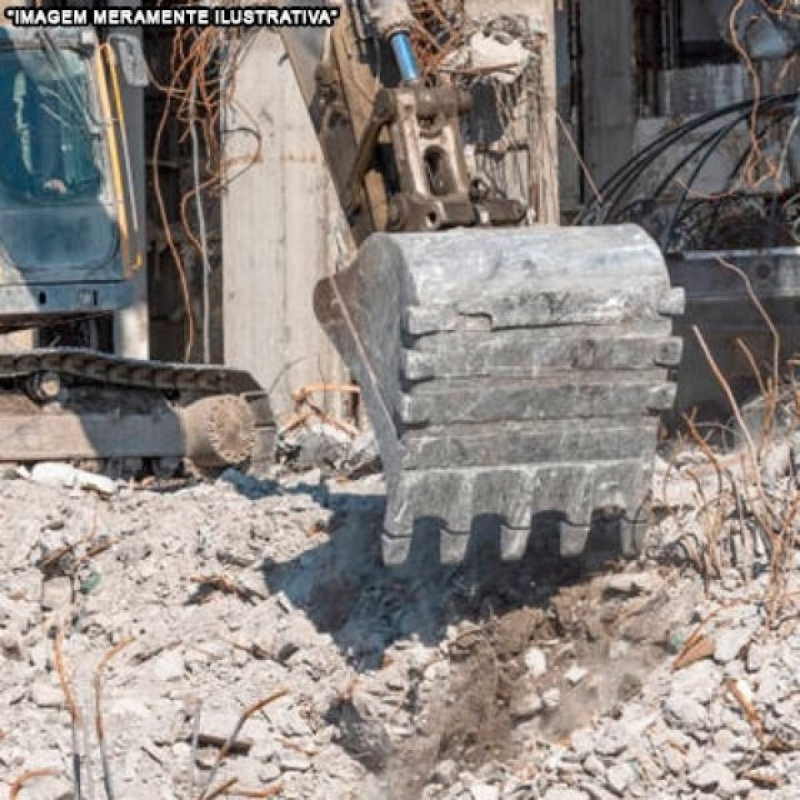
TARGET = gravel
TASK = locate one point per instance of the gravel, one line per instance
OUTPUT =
(260, 608)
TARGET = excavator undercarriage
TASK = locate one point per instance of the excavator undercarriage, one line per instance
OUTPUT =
(69, 246)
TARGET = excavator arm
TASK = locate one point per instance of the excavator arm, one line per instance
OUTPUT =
(393, 142)
(512, 373)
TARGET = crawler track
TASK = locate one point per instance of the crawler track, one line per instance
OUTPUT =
(77, 405)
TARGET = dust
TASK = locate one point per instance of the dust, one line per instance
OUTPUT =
(599, 646)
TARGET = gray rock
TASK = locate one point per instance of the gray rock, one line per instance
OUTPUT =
(67, 476)
(289, 723)
(582, 743)
(363, 456)
(700, 681)
(49, 788)
(269, 772)
(710, 776)
(685, 713)
(596, 792)
(292, 761)
(575, 674)
(536, 662)
(726, 741)
(45, 695)
(634, 583)
(619, 778)
(772, 685)
(320, 445)
(557, 793)
(594, 767)
(446, 772)
(757, 656)
(362, 731)
(611, 742)
(483, 791)
(56, 593)
(674, 760)
(526, 705)
(169, 666)
(729, 643)
(551, 699)
(740, 788)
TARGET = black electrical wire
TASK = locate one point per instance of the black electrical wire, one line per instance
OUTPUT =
(612, 206)
(625, 178)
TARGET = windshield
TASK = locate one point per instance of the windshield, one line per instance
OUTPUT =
(49, 154)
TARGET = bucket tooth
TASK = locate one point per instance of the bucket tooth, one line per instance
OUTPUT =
(670, 352)
(453, 546)
(513, 542)
(609, 499)
(573, 538)
(673, 303)
(395, 549)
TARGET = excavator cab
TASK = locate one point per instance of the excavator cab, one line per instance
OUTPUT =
(65, 210)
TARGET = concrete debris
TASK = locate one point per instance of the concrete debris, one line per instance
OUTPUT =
(536, 662)
(632, 583)
(575, 675)
(324, 446)
(526, 706)
(620, 777)
(58, 474)
(551, 699)
(344, 679)
(501, 56)
(730, 643)
(712, 777)
(484, 792)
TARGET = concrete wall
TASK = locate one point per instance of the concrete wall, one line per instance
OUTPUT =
(279, 223)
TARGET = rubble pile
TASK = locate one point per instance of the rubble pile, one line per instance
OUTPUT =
(241, 636)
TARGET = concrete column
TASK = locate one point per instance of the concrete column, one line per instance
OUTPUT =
(608, 70)
(279, 220)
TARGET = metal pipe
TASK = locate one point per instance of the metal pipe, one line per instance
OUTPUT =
(404, 56)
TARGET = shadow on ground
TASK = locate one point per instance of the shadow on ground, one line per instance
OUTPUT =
(347, 592)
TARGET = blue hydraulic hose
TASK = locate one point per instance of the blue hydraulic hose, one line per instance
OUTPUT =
(404, 55)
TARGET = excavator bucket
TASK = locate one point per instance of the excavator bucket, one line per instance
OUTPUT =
(513, 379)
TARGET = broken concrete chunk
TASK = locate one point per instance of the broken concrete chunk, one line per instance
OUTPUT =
(292, 761)
(169, 666)
(557, 793)
(56, 594)
(536, 662)
(551, 699)
(619, 778)
(69, 477)
(526, 706)
(575, 675)
(729, 643)
(685, 713)
(46, 695)
(634, 583)
(482, 791)
(712, 776)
